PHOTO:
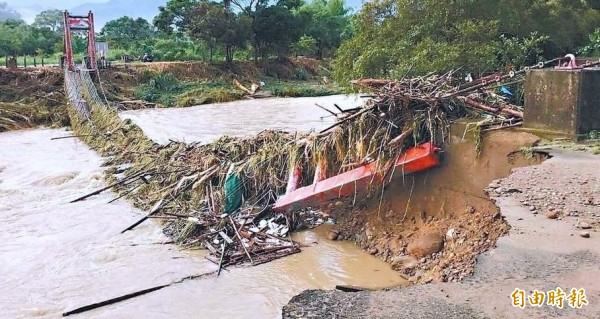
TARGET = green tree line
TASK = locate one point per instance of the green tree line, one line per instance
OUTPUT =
(395, 38)
(385, 38)
(256, 29)
(198, 29)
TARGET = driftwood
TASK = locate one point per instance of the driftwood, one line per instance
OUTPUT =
(126, 193)
(121, 182)
(327, 110)
(174, 193)
(401, 138)
(371, 83)
(70, 136)
(132, 295)
(223, 247)
(240, 238)
(254, 88)
(112, 301)
(504, 110)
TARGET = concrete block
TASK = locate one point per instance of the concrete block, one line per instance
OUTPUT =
(562, 102)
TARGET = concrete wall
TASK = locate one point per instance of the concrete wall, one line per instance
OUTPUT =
(564, 102)
(589, 101)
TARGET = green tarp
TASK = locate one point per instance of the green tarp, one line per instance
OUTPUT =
(233, 193)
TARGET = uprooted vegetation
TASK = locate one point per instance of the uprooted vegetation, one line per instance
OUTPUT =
(30, 98)
(195, 187)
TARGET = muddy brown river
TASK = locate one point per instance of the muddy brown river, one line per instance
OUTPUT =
(56, 256)
(206, 123)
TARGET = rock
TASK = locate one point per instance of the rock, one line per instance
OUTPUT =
(584, 225)
(333, 235)
(451, 234)
(426, 245)
(513, 190)
(404, 262)
(470, 209)
(373, 250)
(552, 214)
(494, 185)
(532, 208)
(584, 234)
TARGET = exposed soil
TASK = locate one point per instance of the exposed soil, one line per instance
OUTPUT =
(431, 226)
(542, 251)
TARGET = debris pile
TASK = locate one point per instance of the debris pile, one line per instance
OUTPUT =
(219, 195)
(253, 243)
(31, 97)
(476, 96)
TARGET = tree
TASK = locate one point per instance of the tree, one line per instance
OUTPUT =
(327, 22)
(15, 37)
(7, 13)
(50, 19)
(127, 32)
(307, 45)
(275, 29)
(592, 48)
(216, 25)
(396, 37)
(171, 17)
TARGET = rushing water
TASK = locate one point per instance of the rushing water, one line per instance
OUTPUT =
(56, 256)
(206, 123)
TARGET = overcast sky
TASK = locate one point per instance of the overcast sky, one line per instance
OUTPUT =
(29, 8)
(61, 4)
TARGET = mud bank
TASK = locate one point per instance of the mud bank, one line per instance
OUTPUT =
(539, 253)
(431, 226)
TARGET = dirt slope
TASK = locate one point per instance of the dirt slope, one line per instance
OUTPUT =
(538, 253)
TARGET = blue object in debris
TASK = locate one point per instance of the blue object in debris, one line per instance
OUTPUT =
(505, 91)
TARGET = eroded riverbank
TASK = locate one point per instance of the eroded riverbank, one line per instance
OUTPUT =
(538, 253)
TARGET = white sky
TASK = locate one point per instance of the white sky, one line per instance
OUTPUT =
(49, 3)
(29, 8)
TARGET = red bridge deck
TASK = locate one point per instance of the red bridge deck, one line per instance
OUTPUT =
(420, 158)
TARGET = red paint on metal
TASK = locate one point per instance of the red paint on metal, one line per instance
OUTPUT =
(92, 41)
(294, 179)
(352, 182)
(81, 23)
(68, 46)
(320, 171)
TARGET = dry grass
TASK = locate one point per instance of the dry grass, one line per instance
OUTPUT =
(31, 97)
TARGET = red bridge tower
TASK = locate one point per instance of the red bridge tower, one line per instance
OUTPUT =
(80, 23)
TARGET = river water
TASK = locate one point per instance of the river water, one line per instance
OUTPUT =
(206, 123)
(56, 256)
